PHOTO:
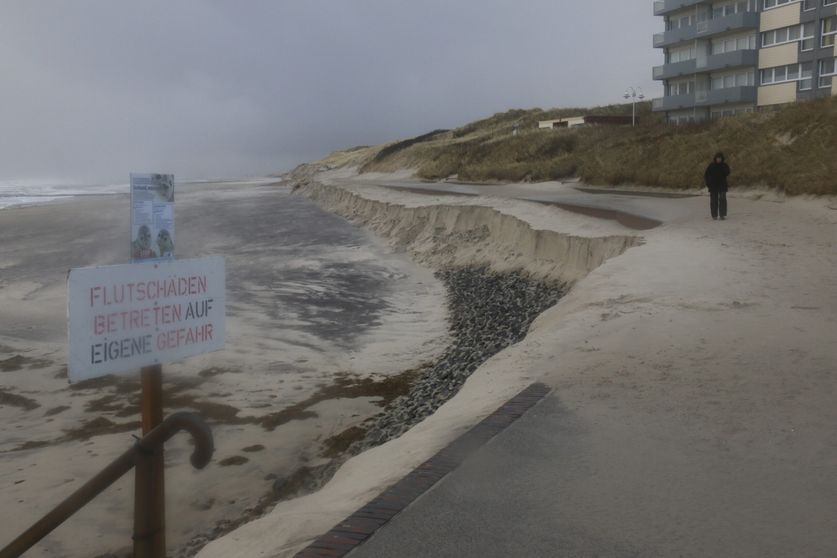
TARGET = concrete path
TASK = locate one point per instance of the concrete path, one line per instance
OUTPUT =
(550, 486)
(692, 412)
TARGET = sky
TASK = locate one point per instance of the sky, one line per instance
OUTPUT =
(95, 89)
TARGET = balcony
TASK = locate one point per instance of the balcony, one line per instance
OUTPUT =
(728, 60)
(663, 7)
(668, 71)
(728, 96)
(707, 64)
(674, 36)
(674, 102)
(706, 29)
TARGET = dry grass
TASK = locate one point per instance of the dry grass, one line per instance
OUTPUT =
(790, 149)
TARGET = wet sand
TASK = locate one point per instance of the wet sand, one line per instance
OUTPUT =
(320, 320)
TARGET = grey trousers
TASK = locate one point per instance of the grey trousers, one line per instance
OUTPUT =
(718, 203)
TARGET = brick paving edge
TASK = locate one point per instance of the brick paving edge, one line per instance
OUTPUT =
(362, 524)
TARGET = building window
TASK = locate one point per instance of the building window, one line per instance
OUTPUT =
(681, 54)
(827, 68)
(808, 5)
(730, 8)
(731, 44)
(784, 74)
(829, 29)
(729, 111)
(808, 32)
(803, 33)
(681, 88)
(683, 120)
(776, 3)
(806, 79)
(828, 2)
(681, 117)
(680, 22)
(732, 79)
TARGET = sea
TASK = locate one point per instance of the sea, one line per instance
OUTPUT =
(31, 191)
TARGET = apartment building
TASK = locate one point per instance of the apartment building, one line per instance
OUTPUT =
(726, 57)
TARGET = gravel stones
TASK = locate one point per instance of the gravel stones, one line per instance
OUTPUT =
(488, 312)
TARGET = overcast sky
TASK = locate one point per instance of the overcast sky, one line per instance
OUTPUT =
(95, 89)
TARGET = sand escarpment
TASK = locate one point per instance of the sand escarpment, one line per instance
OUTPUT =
(443, 236)
(500, 271)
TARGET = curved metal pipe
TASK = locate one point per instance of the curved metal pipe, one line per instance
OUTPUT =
(190, 422)
(194, 424)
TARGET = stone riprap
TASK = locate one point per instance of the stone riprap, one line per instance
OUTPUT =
(488, 312)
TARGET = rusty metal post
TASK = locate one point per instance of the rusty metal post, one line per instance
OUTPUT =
(149, 486)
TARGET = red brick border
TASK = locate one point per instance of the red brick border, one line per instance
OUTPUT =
(358, 527)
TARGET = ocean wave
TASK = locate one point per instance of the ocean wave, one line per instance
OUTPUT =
(32, 191)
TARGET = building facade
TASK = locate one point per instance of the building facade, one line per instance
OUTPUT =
(731, 56)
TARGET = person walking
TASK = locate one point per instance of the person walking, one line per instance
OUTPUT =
(715, 179)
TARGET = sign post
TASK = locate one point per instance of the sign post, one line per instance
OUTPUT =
(149, 480)
(139, 316)
(125, 317)
(152, 214)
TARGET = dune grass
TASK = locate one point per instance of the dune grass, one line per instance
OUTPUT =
(791, 149)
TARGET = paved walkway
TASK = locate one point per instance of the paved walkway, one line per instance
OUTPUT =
(538, 490)
(692, 411)
(516, 496)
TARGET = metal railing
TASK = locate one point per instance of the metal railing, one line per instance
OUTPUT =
(661, 7)
(707, 28)
(142, 451)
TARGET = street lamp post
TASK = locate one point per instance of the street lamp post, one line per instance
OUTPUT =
(633, 94)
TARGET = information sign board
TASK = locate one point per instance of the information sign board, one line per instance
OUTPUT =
(152, 216)
(124, 317)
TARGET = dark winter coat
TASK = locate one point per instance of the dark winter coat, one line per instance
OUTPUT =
(716, 175)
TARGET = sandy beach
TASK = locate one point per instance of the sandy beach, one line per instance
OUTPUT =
(316, 309)
(703, 354)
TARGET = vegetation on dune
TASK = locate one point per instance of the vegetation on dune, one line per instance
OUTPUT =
(394, 148)
(790, 149)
